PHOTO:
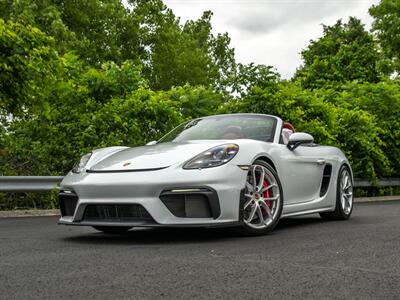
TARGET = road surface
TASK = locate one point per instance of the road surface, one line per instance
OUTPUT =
(303, 258)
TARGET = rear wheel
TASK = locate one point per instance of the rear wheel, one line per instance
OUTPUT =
(344, 197)
(263, 200)
(112, 229)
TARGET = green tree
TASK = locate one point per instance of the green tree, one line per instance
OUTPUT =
(246, 77)
(345, 52)
(79, 123)
(28, 64)
(177, 57)
(184, 54)
(87, 109)
(352, 129)
(146, 32)
(386, 26)
(194, 102)
(96, 30)
(382, 100)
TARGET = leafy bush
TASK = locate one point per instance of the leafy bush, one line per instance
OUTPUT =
(381, 100)
(352, 129)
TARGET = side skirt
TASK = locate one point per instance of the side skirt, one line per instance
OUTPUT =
(307, 212)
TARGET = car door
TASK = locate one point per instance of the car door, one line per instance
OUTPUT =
(301, 173)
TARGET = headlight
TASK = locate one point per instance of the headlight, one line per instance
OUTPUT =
(80, 166)
(213, 157)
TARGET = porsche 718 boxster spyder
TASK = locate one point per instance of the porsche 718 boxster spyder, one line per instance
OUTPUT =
(242, 170)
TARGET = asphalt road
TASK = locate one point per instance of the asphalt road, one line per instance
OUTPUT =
(303, 258)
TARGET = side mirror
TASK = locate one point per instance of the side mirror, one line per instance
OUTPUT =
(151, 143)
(299, 138)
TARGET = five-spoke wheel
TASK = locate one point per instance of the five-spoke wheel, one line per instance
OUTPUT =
(346, 191)
(344, 197)
(262, 199)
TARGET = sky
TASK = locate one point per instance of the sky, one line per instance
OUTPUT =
(272, 32)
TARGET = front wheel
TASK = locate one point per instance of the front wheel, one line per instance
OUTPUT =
(112, 229)
(263, 200)
(344, 197)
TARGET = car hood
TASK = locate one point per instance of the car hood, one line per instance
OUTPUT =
(153, 157)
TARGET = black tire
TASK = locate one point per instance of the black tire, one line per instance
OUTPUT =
(112, 229)
(247, 230)
(339, 213)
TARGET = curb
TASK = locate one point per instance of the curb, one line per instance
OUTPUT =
(29, 213)
(376, 199)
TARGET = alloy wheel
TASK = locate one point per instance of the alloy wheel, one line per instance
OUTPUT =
(262, 198)
(346, 191)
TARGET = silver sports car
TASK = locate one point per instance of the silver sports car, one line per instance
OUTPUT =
(243, 170)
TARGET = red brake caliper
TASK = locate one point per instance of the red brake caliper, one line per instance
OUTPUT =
(266, 194)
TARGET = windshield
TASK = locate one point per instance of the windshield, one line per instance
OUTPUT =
(224, 127)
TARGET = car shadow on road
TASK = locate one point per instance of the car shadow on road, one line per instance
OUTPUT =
(297, 222)
(155, 236)
(183, 235)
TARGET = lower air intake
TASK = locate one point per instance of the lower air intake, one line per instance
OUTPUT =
(116, 213)
(198, 202)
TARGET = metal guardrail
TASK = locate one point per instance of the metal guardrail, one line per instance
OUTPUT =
(384, 182)
(48, 183)
(29, 183)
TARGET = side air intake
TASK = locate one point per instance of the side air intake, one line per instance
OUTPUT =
(326, 178)
(67, 201)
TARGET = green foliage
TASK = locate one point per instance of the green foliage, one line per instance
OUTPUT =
(10, 201)
(383, 101)
(346, 52)
(188, 54)
(52, 145)
(195, 102)
(355, 131)
(99, 108)
(97, 31)
(178, 57)
(146, 33)
(386, 25)
(112, 80)
(28, 63)
(249, 76)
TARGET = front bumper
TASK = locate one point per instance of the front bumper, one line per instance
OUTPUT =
(145, 187)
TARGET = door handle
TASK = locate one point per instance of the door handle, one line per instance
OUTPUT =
(321, 161)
